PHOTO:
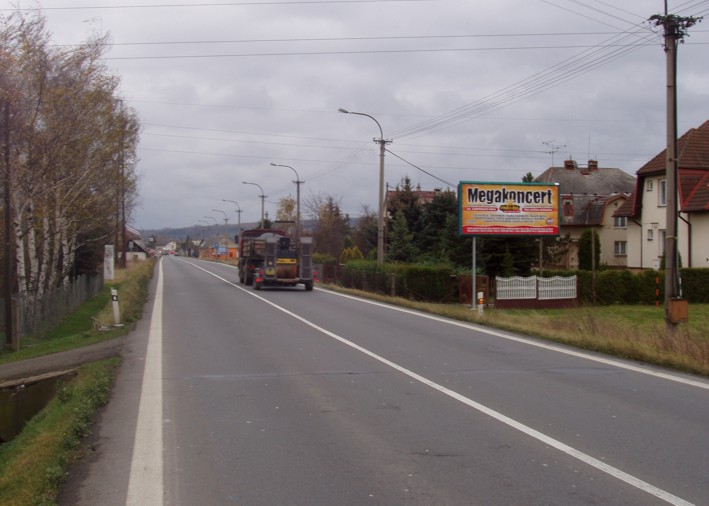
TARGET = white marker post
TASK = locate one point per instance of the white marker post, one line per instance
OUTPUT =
(116, 309)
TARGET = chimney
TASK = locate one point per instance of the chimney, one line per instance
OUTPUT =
(570, 164)
(592, 165)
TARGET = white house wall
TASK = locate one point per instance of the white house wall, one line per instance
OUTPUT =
(700, 241)
(646, 251)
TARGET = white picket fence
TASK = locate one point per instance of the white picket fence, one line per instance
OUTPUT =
(534, 287)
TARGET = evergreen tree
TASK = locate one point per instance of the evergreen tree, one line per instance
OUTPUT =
(433, 240)
(401, 247)
(403, 199)
(585, 250)
(524, 252)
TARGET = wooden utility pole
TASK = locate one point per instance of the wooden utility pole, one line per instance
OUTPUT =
(675, 30)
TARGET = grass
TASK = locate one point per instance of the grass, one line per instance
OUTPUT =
(33, 465)
(632, 332)
(78, 330)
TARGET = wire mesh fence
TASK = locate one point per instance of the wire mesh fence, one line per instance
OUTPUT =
(36, 317)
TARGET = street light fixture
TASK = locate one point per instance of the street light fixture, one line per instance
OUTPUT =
(297, 182)
(382, 148)
(238, 214)
(226, 220)
(263, 200)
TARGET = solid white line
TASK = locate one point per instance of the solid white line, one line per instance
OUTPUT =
(587, 459)
(538, 344)
(145, 485)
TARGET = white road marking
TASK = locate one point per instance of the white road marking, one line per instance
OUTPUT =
(145, 485)
(551, 347)
(587, 459)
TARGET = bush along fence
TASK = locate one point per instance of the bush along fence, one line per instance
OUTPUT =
(644, 287)
(429, 283)
(36, 318)
(435, 283)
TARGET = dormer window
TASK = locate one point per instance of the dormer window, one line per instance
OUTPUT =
(568, 207)
(620, 222)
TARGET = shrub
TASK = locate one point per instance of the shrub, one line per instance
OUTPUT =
(411, 281)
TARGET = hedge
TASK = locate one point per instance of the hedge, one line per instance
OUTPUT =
(431, 283)
(644, 287)
(438, 283)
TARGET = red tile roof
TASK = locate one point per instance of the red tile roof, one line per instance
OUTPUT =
(692, 151)
(693, 166)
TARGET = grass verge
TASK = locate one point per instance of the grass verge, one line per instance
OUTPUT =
(34, 463)
(78, 328)
(632, 332)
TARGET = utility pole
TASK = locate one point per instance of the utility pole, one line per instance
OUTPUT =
(675, 30)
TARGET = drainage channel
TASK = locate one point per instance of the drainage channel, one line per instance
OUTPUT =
(20, 400)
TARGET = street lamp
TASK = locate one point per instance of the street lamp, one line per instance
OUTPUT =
(297, 182)
(226, 224)
(238, 214)
(382, 147)
(263, 200)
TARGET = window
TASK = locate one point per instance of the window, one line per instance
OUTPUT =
(662, 198)
(620, 221)
(650, 234)
(568, 207)
(648, 185)
(619, 248)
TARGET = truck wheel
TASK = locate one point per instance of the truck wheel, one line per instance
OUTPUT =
(249, 278)
(308, 286)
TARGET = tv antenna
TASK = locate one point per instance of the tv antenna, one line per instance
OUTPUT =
(553, 148)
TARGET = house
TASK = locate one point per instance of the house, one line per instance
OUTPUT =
(646, 210)
(590, 196)
(135, 248)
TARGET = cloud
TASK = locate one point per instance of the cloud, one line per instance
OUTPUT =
(512, 74)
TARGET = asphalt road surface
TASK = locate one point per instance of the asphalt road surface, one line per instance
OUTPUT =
(285, 397)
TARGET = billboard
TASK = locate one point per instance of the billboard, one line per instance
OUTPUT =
(508, 209)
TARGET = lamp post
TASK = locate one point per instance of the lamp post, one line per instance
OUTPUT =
(238, 215)
(297, 182)
(263, 200)
(226, 224)
(382, 147)
(226, 220)
(216, 223)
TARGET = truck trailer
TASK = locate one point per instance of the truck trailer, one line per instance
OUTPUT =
(270, 258)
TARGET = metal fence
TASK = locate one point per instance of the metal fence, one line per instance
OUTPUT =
(534, 287)
(516, 287)
(557, 287)
(38, 318)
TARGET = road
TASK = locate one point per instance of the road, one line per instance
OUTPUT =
(286, 397)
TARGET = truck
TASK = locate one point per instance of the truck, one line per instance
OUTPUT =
(269, 257)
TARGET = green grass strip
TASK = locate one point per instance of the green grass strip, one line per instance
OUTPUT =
(33, 465)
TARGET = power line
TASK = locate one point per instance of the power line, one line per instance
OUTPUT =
(214, 4)
(368, 51)
(357, 39)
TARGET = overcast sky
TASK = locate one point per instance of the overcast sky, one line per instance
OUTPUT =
(466, 90)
